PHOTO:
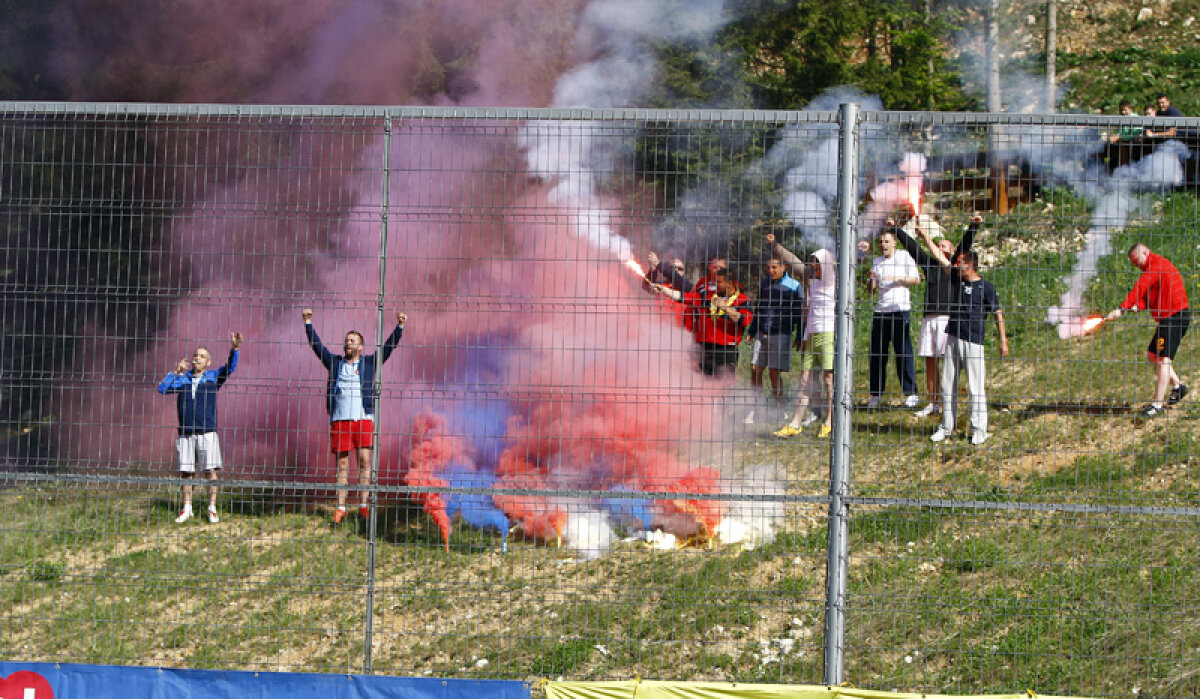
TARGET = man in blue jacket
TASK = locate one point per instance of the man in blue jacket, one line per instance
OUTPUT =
(778, 314)
(196, 403)
(350, 399)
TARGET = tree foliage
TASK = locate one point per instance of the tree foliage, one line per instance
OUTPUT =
(795, 49)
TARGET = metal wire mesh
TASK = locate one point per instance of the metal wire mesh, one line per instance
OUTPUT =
(557, 488)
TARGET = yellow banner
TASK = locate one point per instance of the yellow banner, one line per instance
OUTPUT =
(651, 689)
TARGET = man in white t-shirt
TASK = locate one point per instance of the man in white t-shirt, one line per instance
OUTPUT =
(892, 273)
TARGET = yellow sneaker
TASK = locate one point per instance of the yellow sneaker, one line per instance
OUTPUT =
(825, 432)
(787, 431)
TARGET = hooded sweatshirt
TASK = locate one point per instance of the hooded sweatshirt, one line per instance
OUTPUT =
(822, 295)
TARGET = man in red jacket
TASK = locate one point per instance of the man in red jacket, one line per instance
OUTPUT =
(717, 319)
(1160, 289)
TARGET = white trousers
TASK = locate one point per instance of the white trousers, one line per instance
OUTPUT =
(961, 354)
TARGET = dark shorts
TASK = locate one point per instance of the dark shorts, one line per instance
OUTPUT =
(773, 352)
(345, 435)
(718, 358)
(1169, 334)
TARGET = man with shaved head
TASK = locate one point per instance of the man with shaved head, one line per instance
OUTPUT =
(1159, 289)
(195, 387)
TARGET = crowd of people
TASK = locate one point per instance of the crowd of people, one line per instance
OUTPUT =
(794, 311)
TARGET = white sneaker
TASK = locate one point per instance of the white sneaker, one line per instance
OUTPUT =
(979, 437)
(911, 401)
(809, 419)
(873, 404)
(184, 515)
(926, 411)
(212, 516)
(940, 435)
(749, 419)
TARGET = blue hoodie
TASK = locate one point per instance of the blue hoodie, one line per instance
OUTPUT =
(198, 415)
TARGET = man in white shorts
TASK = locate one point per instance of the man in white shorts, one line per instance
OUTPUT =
(941, 295)
(196, 403)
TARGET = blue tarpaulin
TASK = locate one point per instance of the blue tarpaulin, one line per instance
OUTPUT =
(67, 681)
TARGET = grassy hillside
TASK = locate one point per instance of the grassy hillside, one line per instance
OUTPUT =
(988, 596)
(1106, 53)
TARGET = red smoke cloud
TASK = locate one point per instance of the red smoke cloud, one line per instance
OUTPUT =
(315, 51)
(529, 356)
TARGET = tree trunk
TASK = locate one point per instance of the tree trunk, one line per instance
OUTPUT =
(993, 57)
(997, 168)
(1051, 55)
(932, 77)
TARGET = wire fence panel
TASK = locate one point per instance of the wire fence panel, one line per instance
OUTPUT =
(1037, 538)
(468, 426)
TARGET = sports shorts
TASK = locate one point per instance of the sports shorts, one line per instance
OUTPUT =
(819, 350)
(345, 435)
(198, 449)
(1169, 333)
(933, 338)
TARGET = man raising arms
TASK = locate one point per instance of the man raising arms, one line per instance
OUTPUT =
(965, 332)
(350, 399)
(941, 294)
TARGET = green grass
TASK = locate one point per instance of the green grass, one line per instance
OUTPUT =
(977, 601)
(968, 600)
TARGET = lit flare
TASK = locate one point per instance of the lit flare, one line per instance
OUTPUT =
(636, 267)
(1078, 327)
(1092, 323)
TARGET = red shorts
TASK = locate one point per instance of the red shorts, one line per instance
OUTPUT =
(345, 435)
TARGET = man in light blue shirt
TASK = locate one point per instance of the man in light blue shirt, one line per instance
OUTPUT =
(350, 399)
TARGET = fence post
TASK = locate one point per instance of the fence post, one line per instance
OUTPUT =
(843, 383)
(380, 302)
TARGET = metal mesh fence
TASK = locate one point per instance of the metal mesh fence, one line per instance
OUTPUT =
(573, 473)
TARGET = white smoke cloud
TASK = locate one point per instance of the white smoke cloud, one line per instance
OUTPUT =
(576, 154)
(810, 184)
(1113, 203)
(1066, 155)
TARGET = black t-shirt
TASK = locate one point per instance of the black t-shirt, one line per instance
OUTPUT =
(941, 284)
(968, 318)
